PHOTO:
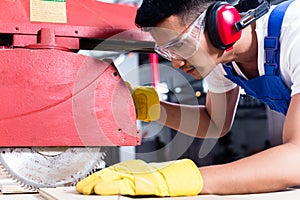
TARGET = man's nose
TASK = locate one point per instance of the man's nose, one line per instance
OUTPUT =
(178, 63)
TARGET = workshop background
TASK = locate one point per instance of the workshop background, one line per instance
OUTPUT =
(255, 127)
(47, 140)
(67, 115)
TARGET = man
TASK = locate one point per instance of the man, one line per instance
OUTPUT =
(199, 55)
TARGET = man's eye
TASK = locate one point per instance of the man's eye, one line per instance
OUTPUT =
(178, 45)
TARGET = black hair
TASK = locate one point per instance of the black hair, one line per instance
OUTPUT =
(152, 12)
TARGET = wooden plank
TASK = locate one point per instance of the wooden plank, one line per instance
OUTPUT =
(21, 197)
(67, 193)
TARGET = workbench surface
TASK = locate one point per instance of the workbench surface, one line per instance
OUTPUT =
(69, 193)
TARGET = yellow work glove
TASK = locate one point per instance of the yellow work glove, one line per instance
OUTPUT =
(135, 177)
(146, 102)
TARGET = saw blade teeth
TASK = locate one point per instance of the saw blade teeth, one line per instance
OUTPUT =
(99, 165)
(103, 155)
(5, 172)
(85, 160)
(29, 188)
(20, 183)
(26, 187)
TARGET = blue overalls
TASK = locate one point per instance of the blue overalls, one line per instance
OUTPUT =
(268, 88)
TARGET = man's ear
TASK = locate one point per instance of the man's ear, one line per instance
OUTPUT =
(220, 24)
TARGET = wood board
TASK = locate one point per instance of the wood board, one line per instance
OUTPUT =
(69, 193)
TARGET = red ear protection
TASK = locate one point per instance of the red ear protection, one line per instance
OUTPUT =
(220, 24)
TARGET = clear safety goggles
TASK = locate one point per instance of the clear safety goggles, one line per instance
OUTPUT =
(186, 44)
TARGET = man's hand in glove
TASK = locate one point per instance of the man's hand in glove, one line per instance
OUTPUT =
(135, 177)
(146, 102)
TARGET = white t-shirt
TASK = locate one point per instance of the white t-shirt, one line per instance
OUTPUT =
(289, 53)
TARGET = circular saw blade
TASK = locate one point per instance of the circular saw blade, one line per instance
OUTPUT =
(36, 168)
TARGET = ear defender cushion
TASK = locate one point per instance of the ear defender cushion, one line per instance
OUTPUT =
(220, 20)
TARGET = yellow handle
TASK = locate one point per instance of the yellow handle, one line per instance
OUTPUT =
(146, 102)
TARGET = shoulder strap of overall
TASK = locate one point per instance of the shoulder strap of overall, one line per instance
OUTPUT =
(271, 42)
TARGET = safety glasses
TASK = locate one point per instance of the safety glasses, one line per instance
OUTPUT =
(186, 44)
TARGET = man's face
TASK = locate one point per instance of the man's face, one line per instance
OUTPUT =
(185, 46)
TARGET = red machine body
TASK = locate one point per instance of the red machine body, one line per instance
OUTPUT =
(52, 96)
(71, 21)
